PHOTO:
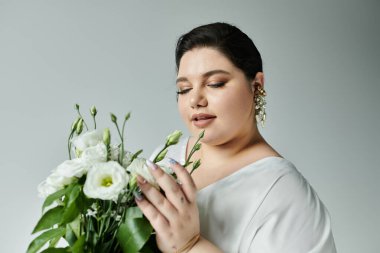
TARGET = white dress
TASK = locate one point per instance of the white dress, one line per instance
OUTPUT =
(264, 207)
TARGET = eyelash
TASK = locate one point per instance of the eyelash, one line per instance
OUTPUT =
(214, 85)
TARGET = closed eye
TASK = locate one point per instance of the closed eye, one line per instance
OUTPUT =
(181, 92)
(212, 85)
(216, 85)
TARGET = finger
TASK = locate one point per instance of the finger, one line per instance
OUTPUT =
(172, 190)
(187, 183)
(157, 199)
(158, 221)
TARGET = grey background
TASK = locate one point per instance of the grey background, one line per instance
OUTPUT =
(321, 60)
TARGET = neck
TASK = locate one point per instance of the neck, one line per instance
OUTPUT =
(217, 154)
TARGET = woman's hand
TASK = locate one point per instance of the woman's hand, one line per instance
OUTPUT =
(174, 216)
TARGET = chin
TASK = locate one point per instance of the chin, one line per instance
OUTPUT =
(209, 139)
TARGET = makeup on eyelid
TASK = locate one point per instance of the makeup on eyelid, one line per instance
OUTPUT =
(212, 85)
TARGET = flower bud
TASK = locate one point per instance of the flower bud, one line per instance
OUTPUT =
(202, 134)
(77, 106)
(79, 126)
(107, 137)
(93, 111)
(74, 125)
(173, 138)
(197, 146)
(133, 181)
(127, 116)
(113, 118)
(161, 155)
(196, 164)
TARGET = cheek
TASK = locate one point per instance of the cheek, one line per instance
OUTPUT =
(234, 105)
(182, 109)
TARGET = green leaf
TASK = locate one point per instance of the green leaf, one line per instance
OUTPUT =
(53, 197)
(70, 213)
(75, 225)
(50, 218)
(150, 246)
(133, 212)
(71, 210)
(105, 247)
(74, 194)
(133, 234)
(70, 236)
(43, 238)
(56, 250)
(78, 246)
(54, 242)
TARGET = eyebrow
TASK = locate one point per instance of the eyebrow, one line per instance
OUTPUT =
(205, 75)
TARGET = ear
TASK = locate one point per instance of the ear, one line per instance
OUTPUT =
(258, 81)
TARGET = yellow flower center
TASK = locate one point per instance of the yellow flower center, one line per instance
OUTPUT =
(107, 181)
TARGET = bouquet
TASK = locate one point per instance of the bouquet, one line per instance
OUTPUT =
(89, 198)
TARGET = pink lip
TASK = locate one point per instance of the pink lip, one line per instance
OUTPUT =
(201, 116)
(202, 119)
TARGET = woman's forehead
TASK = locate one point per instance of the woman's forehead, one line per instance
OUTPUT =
(199, 61)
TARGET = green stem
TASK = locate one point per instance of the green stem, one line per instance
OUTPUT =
(69, 143)
(187, 163)
(192, 152)
(118, 130)
(122, 144)
(192, 170)
(155, 159)
(84, 122)
(94, 122)
(122, 136)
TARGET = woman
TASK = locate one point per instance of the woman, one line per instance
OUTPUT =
(245, 197)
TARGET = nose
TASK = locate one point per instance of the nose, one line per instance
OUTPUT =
(197, 99)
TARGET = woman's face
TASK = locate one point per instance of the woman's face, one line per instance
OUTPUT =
(214, 95)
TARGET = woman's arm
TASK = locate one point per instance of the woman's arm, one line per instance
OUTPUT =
(204, 246)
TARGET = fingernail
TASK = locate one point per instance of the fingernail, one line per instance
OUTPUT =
(172, 161)
(151, 165)
(138, 195)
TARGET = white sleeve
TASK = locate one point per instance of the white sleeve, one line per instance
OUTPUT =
(291, 219)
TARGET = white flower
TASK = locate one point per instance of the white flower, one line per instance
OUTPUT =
(105, 181)
(127, 159)
(165, 166)
(88, 139)
(60, 177)
(58, 181)
(94, 206)
(45, 189)
(139, 167)
(114, 152)
(91, 212)
(71, 168)
(95, 154)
